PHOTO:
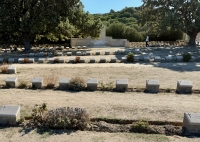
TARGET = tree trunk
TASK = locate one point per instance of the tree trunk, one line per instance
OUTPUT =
(192, 41)
(27, 42)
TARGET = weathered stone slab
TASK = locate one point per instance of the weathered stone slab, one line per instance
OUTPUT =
(146, 58)
(71, 60)
(31, 54)
(88, 52)
(61, 60)
(98, 52)
(51, 60)
(184, 86)
(78, 53)
(92, 84)
(113, 60)
(192, 59)
(136, 51)
(37, 82)
(124, 59)
(84, 47)
(64, 83)
(69, 53)
(21, 60)
(11, 82)
(82, 60)
(11, 60)
(1, 60)
(9, 115)
(50, 54)
(152, 86)
(191, 124)
(92, 60)
(60, 54)
(136, 58)
(121, 84)
(41, 54)
(12, 70)
(31, 60)
(107, 52)
(168, 58)
(179, 58)
(41, 60)
(157, 59)
(102, 60)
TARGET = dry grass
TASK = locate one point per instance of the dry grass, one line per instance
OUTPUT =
(4, 68)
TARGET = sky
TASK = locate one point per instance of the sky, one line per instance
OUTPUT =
(104, 6)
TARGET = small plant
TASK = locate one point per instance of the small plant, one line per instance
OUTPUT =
(4, 67)
(26, 60)
(77, 60)
(77, 84)
(186, 57)
(56, 60)
(54, 53)
(140, 126)
(23, 85)
(60, 118)
(106, 87)
(50, 82)
(130, 57)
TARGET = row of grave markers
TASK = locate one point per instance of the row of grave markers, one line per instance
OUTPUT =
(152, 86)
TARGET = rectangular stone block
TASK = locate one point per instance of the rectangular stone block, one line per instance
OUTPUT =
(121, 84)
(82, 60)
(192, 59)
(102, 60)
(11, 82)
(9, 115)
(78, 53)
(1, 60)
(113, 60)
(31, 60)
(41, 54)
(51, 60)
(64, 83)
(41, 60)
(184, 86)
(31, 54)
(37, 82)
(152, 86)
(88, 53)
(124, 59)
(71, 60)
(69, 53)
(136, 58)
(92, 60)
(92, 84)
(84, 47)
(11, 60)
(179, 58)
(21, 60)
(12, 70)
(60, 54)
(136, 51)
(107, 52)
(50, 54)
(168, 58)
(157, 59)
(117, 52)
(98, 52)
(146, 58)
(191, 124)
(61, 60)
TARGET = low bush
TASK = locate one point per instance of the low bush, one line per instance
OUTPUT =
(186, 57)
(77, 60)
(130, 57)
(77, 84)
(106, 87)
(56, 60)
(50, 81)
(60, 118)
(54, 53)
(140, 126)
(4, 67)
(23, 85)
(26, 60)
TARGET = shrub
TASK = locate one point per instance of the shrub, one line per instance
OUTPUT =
(56, 60)
(140, 126)
(186, 57)
(23, 85)
(50, 81)
(60, 118)
(26, 60)
(130, 57)
(106, 87)
(4, 67)
(54, 53)
(77, 60)
(77, 84)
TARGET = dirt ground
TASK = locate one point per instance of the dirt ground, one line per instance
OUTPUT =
(129, 105)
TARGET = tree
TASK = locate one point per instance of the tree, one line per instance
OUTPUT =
(53, 19)
(183, 15)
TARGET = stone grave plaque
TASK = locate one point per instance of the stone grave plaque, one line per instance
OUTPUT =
(136, 58)
(71, 60)
(78, 53)
(92, 60)
(64, 83)
(9, 115)
(113, 60)
(11, 60)
(137, 51)
(51, 60)
(124, 59)
(61, 60)
(82, 60)
(192, 59)
(157, 59)
(31, 60)
(184, 86)
(168, 58)
(179, 58)
(12, 70)
(31, 54)
(41, 60)
(37, 82)
(191, 124)
(1, 60)
(107, 52)
(69, 53)
(11, 82)
(87, 52)
(98, 52)
(102, 60)
(152, 86)
(21, 60)
(60, 53)
(146, 58)
(92, 84)
(121, 84)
